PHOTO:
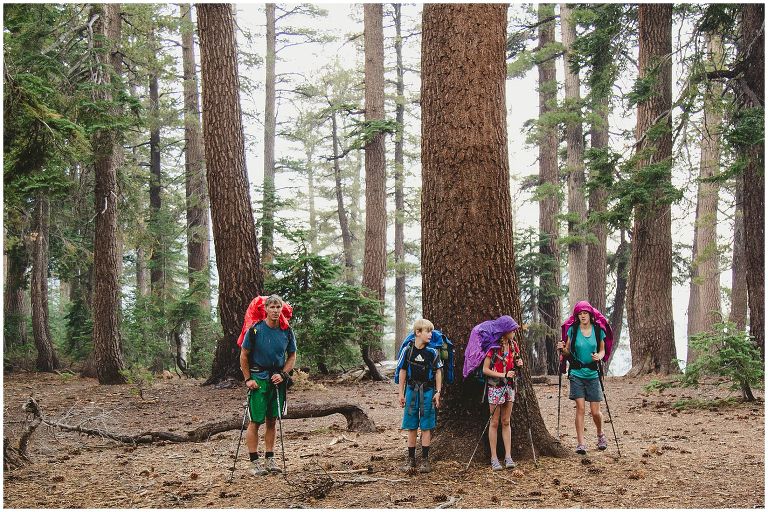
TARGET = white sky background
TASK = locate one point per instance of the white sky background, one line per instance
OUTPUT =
(522, 105)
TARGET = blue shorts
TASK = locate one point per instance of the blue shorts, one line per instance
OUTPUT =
(589, 389)
(413, 417)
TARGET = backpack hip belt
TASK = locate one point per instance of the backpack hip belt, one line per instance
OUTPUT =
(419, 387)
(578, 365)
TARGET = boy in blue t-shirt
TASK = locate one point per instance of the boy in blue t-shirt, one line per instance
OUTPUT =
(421, 381)
(267, 355)
(583, 375)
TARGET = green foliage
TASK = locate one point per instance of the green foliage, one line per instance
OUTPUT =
(697, 403)
(78, 341)
(726, 352)
(657, 385)
(534, 271)
(330, 319)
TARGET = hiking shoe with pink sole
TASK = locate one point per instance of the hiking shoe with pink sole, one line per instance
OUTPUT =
(581, 449)
(602, 442)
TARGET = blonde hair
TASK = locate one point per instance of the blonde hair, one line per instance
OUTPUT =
(423, 324)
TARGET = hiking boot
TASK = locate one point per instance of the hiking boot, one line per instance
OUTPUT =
(272, 466)
(425, 467)
(257, 468)
(496, 465)
(409, 465)
(602, 442)
(581, 449)
(509, 463)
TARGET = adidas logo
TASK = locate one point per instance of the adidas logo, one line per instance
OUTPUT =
(418, 358)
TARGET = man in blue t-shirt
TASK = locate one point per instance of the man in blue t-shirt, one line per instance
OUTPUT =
(267, 355)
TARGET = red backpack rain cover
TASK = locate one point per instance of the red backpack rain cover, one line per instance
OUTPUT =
(256, 312)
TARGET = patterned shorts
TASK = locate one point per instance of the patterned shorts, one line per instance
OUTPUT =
(500, 394)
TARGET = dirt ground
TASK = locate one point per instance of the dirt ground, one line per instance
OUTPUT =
(702, 458)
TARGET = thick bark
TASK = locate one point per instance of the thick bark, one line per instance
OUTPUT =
(47, 361)
(15, 309)
(623, 253)
(752, 50)
(268, 207)
(346, 235)
(597, 252)
(549, 205)
(157, 252)
(649, 292)
(704, 299)
(107, 250)
(196, 190)
(375, 252)
(577, 206)
(739, 299)
(401, 329)
(234, 233)
(467, 252)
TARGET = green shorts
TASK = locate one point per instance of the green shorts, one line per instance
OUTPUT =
(262, 402)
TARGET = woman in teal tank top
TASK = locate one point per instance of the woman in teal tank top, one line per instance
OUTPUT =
(584, 351)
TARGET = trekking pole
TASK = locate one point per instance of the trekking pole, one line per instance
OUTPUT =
(280, 422)
(484, 429)
(530, 436)
(239, 441)
(602, 387)
(559, 388)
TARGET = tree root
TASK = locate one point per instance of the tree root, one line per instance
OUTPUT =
(357, 421)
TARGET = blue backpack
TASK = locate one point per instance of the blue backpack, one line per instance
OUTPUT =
(439, 342)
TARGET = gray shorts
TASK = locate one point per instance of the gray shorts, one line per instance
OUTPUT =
(589, 389)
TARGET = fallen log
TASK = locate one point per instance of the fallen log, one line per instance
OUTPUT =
(357, 421)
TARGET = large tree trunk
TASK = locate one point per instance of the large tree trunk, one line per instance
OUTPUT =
(752, 53)
(157, 254)
(46, 355)
(577, 206)
(549, 204)
(198, 246)
(623, 253)
(15, 309)
(739, 299)
(468, 258)
(107, 251)
(234, 232)
(649, 295)
(401, 329)
(375, 253)
(346, 235)
(268, 208)
(704, 299)
(597, 251)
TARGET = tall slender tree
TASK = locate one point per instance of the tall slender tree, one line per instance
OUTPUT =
(751, 52)
(574, 164)
(268, 208)
(649, 294)
(375, 253)
(157, 254)
(234, 232)
(467, 251)
(107, 250)
(704, 298)
(401, 329)
(47, 360)
(196, 190)
(739, 293)
(549, 202)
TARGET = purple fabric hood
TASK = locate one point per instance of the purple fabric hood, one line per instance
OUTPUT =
(484, 337)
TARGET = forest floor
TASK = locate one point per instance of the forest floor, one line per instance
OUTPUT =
(711, 457)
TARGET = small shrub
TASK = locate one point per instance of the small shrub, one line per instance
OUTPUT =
(729, 353)
(657, 385)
